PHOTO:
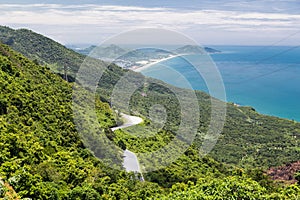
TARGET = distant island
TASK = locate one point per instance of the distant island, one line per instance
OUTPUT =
(211, 50)
(193, 49)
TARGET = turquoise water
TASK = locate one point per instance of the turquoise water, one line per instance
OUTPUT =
(266, 78)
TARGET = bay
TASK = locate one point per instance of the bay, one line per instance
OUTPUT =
(265, 78)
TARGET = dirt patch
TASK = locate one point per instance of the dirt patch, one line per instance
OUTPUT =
(285, 173)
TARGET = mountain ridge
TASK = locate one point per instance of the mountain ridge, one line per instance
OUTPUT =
(113, 74)
(38, 139)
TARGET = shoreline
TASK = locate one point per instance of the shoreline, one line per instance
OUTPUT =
(156, 62)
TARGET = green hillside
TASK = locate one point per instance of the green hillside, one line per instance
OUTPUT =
(41, 49)
(248, 138)
(43, 156)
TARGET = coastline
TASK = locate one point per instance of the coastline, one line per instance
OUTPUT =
(231, 64)
(156, 62)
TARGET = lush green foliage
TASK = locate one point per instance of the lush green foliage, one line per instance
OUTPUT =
(248, 139)
(231, 187)
(43, 156)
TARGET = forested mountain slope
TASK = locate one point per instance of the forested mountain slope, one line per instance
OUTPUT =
(248, 138)
(42, 155)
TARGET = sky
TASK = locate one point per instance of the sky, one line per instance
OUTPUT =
(218, 22)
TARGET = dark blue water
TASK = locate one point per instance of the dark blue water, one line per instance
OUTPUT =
(266, 78)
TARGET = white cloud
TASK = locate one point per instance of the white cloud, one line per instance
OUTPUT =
(54, 14)
(120, 18)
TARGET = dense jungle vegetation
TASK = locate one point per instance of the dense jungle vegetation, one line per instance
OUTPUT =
(43, 156)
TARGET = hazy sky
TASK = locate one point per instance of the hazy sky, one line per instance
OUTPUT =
(244, 22)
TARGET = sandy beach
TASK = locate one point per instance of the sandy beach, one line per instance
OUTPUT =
(153, 63)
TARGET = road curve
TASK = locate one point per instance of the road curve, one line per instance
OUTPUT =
(129, 120)
(131, 162)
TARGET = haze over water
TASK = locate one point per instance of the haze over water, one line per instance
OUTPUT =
(265, 78)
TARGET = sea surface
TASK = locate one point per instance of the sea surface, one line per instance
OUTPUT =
(265, 78)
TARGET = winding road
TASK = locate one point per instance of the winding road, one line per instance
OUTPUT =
(131, 162)
(129, 120)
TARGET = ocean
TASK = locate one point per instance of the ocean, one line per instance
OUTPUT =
(265, 78)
